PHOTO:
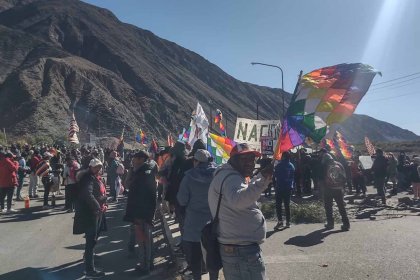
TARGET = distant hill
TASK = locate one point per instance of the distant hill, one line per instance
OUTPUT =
(59, 55)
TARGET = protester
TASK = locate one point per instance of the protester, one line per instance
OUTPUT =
(332, 182)
(358, 179)
(33, 178)
(23, 169)
(284, 175)
(141, 206)
(8, 180)
(392, 172)
(242, 226)
(193, 195)
(69, 177)
(112, 175)
(43, 170)
(379, 169)
(415, 177)
(90, 212)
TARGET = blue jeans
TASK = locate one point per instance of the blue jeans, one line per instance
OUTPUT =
(242, 262)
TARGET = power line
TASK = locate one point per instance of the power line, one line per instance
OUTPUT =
(397, 83)
(392, 97)
(399, 78)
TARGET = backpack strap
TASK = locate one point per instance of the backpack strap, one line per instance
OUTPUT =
(216, 217)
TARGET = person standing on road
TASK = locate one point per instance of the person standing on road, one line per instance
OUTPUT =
(90, 212)
(43, 171)
(8, 180)
(141, 206)
(33, 178)
(332, 181)
(193, 195)
(70, 182)
(21, 175)
(379, 169)
(242, 226)
(112, 175)
(284, 175)
(415, 177)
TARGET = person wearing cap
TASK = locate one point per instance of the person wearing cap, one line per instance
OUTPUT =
(193, 195)
(89, 218)
(8, 180)
(242, 226)
(141, 206)
(43, 171)
(379, 169)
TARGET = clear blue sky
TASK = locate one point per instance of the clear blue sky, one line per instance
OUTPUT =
(297, 35)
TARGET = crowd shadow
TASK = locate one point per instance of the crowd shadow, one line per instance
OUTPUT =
(311, 239)
(112, 249)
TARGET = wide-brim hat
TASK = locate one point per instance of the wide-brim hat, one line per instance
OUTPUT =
(95, 162)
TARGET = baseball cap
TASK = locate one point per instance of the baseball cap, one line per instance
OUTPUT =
(202, 155)
(243, 149)
(95, 162)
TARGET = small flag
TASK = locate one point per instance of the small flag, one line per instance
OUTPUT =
(154, 147)
(170, 140)
(218, 120)
(220, 147)
(369, 146)
(73, 129)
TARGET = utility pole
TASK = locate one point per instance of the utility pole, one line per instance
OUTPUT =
(257, 111)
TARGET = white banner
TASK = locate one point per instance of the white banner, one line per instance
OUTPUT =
(199, 126)
(250, 131)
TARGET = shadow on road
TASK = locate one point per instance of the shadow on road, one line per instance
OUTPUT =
(112, 251)
(311, 239)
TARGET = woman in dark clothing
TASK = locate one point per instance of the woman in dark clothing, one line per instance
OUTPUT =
(141, 206)
(90, 211)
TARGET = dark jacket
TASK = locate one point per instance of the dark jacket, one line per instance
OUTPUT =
(141, 201)
(89, 203)
(380, 167)
(284, 174)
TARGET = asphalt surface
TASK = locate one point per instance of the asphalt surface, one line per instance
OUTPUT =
(382, 249)
(38, 244)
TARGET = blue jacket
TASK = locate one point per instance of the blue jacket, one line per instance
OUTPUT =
(284, 174)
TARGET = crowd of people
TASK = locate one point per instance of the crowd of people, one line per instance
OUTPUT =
(194, 191)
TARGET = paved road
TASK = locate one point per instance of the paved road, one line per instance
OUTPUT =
(385, 249)
(39, 244)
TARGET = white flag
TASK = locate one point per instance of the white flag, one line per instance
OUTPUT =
(199, 126)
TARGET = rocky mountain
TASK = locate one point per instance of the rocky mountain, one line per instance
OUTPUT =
(57, 56)
(358, 126)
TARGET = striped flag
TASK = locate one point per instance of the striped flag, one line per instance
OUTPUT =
(171, 141)
(369, 146)
(73, 129)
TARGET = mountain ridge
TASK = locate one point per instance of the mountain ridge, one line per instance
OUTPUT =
(112, 74)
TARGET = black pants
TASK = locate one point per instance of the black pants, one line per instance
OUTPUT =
(267, 191)
(283, 196)
(359, 184)
(9, 193)
(47, 187)
(160, 191)
(338, 196)
(69, 193)
(195, 260)
(91, 236)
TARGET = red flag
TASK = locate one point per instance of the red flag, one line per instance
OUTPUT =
(170, 140)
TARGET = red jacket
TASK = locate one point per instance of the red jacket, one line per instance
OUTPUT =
(8, 169)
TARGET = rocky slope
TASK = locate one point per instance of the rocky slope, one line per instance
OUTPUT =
(60, 55)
